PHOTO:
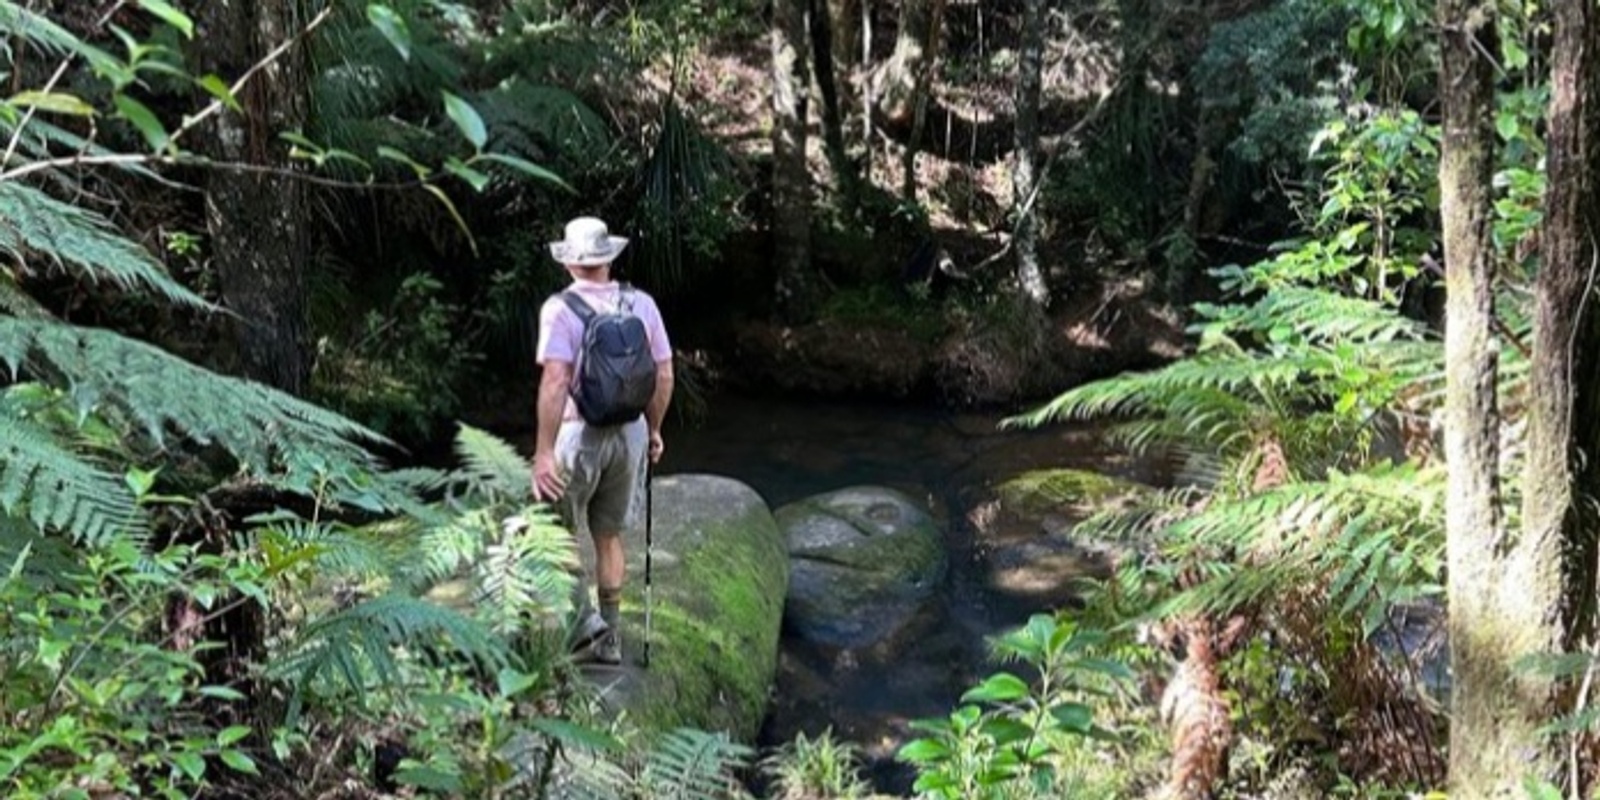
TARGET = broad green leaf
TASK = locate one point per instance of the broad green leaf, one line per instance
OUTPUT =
(170, 15)
(392, 26)
(430, 778)
(221, 693)
(218, 88)
(1000, 687)
(923, 750)
(1507, 125)
(231, 735)
(144, 120)
(1515, 56)
(1075, 717)
(392, 154)
(55, 102)
(528, 168)
(477, 180)
(239, 762)
(1005, 730)
(467, 119)
(192, 764)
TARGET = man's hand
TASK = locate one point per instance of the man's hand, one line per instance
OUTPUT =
(548, 485)
(657, 446)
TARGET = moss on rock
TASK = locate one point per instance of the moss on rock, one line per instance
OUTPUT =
(720, 572)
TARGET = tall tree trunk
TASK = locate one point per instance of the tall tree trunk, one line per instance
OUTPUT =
(1025, 178)
(823, 60)
(904, 81)
(258, 223)
(1491, 731)
(1553, 561)
(791, 180)
(844, 38)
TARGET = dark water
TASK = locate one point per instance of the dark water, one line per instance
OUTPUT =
(788, 450)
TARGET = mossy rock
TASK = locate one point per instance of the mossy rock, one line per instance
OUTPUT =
(864, 561)
(718, 577)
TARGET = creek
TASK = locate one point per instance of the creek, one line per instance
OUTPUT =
(791, 449)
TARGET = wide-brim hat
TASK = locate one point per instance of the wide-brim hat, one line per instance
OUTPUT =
(588, 243)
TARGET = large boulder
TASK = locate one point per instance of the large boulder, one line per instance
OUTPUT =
(718, 577)
(863, 561)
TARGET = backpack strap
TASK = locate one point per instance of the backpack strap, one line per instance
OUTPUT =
(578, 306)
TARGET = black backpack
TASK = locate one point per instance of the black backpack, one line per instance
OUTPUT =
(616, 373)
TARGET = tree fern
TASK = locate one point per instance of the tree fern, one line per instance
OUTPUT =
(57, 489)
(35, 225)
(159, 394)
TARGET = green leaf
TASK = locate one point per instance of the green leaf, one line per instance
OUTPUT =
(54, 102)
(580, 736)
(221, 693)
(467, 119)
(923, 750)
(170, 15)
(218, 88)
(477, 180)
(143, 119)
(191, 764)
(1507, 125)
(392, 26)
(430, 778)
(1000, 687)
(231, 735)
(1515, 56)
(1075, 717)
(239, 762)
(527, 168)
(1539, 790)
(450, 206)
(392, 154)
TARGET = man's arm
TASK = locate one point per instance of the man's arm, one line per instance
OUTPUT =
(656, 412)
(552, 404)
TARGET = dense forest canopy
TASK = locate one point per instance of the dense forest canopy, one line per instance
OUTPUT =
(270, 290)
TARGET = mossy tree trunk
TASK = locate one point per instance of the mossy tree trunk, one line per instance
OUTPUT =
(258, 222)
(1025, 178)
(1493, 728)
(791, 181)
(1553, 561)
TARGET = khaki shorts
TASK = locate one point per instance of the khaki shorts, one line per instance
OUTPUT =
(605, 470)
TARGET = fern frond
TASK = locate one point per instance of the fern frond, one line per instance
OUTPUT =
(526, 575)
(252, 422)
(694, 765)
(491, 467)
(358, 649)
(34, 223)
(1320, 317)
(58, 490)
(17, 22)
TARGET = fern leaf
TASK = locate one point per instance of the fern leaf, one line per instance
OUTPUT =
(252, 422)
(57, 490)
(692, 764)
(34, 223)
(37, 29)
(492, 467)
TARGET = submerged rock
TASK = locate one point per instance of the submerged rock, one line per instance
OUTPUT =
(718, 579)
(864, 561)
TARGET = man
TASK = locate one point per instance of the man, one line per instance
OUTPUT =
(595, 472)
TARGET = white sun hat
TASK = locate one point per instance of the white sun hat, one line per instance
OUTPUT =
(588, 244)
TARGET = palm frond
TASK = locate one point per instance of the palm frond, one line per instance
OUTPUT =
(59, 490)
(688, 764)
(33, 223)
(252, 422)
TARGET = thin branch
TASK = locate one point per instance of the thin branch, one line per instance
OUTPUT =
(16, 135)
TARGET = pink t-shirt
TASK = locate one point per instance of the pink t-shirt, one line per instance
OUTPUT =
(561, 332)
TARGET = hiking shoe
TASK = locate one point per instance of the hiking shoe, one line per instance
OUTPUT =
(588, 631)
(607, 648)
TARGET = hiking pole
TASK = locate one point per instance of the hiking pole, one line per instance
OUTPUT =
(648, 513)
